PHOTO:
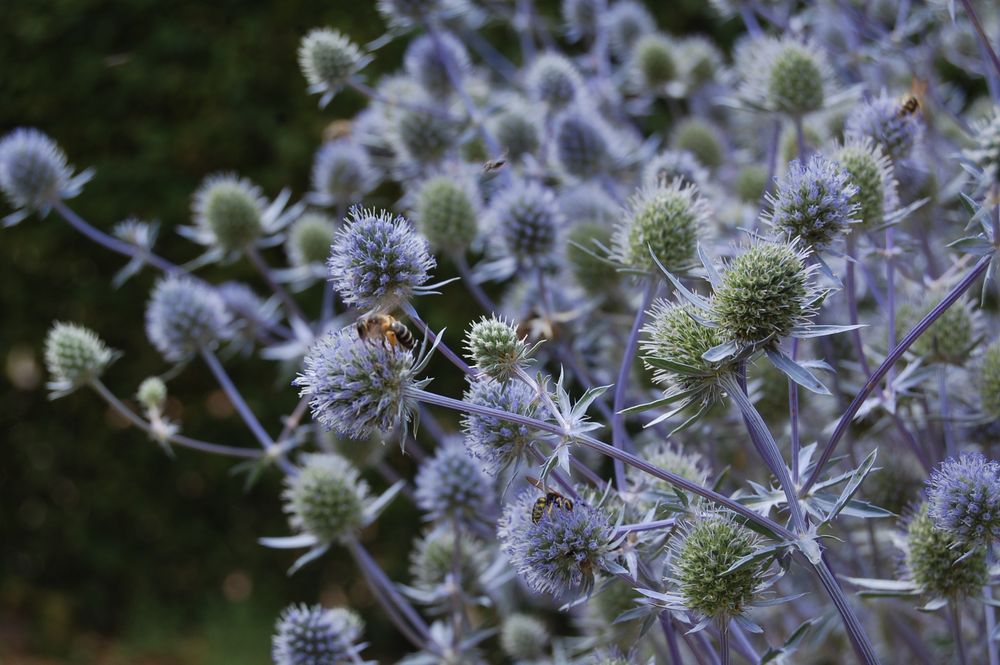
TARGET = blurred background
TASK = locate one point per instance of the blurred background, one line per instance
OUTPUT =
(110, 552)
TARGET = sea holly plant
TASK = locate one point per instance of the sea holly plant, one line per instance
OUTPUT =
(656, 241)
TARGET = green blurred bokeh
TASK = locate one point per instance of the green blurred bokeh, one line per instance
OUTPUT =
(110, 552)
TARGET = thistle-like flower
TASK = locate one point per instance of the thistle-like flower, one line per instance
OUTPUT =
(701, 139)
(341, 174)
(35, 174)
(356, 387)
(784, 75)
(989, 380)
(594, 274)
(554, 81)
(674, 348)
(328, 60)
(378, 260)
(939, 563)
(495, 349)
(152, 393)
(451, 487)
(447, 212)
(422, 134)
(814, 202)
(327, 498)
(882, 120)
(662, 221)
(499, 443)
(74, 356)
(700, 564)
(963, 497)
(563, 551)
(583, 144)
(309, 240)
(253, 316)
(626, 22)
(426, 63)
(314, 635)
(527, 222)
(951, 338)
(670, 165)
(765, 294)
(516, 131)
(185, 315)
(871, 172)
(653, 63)
(673, 458)
(432, 564)
(524, 637)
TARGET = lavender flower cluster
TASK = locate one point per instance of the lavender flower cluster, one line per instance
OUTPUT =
(731, 371)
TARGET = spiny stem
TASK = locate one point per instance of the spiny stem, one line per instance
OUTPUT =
(894, 356)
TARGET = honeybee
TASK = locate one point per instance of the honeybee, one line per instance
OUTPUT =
(386, 329)
(551, 499)
(910, 106)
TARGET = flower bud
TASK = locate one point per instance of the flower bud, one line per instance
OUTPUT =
(185, 315)
(664, 220)
(328, 60)
(451, 487)
(653, 62)
(447, 213)
(152, 393)
(228, 209)
(34, 173)
(75, 355)
(701, 139)
(494, 347)
(523, 637)
(554, 81)
(936, 561)
(327, 498)
(989, 380)
(963, 497)
(309, 239)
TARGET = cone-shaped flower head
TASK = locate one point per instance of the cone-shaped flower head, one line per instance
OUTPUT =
(527, 221)
(35, 174)
(883, 120)
(709, 547)
(583, 144)
(814, 202)
(524, 637)
(664, 219)
(671, 457)
(582, 17)
(447, 212)
(952, 336)
(783, 74)
(989, 380)
(673, 334)
(327, 498)
(228, 210)
(314, 635)
(554, 81)
(654, 62)
(328, 60)
(494, 442)
(765, 293)
(309, 239)
(871, 173)
(432, 560)
(963, 497)
(185, 315)
(561, 552)
(378, 260)
(701, 139)
(74, 356)
(425, 62)
(493, 346)
(341, 174)
(626, 22)
(935, 561)
(422, 134)
(451, 486)
(152, 393)
(516, 131)
(595, 275)
(672, 164)
(358, 387)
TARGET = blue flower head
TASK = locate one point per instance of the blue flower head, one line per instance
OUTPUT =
(527, 221)
(357, 387)
(881, 120)
(554, 81)
(34, 173)
(814, 202)
(378, 260)
(562, 552)
(314, 635)
(583, 144)
(341, 174)
(423, 61)
(498, 443)
(185, 315)
(627, 21)
(964, 498)
(451, 486)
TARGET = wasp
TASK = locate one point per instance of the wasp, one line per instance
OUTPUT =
(910, 106)
(385, 328)
(545, 504)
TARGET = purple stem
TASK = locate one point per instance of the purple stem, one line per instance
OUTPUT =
(621, 383)
(852, 303)
(645, 526)
(484, 301)
(261, 266)
(891, 359)
(671, 635)
(984, 41)
(793, 414)
(442, 347)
